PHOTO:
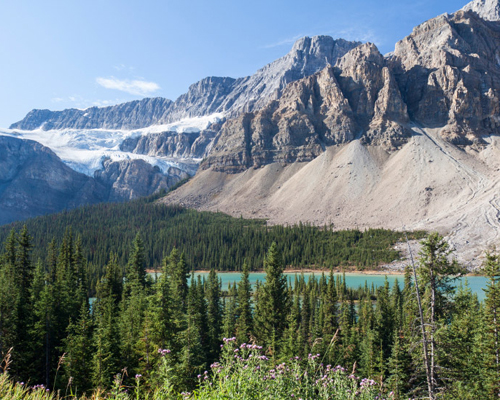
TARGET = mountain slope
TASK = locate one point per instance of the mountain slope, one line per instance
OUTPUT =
(412, 140)
(34, 181)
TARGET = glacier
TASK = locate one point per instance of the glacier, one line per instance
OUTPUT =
(84, 150)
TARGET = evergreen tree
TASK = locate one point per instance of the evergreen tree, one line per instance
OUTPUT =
(492, 324)
(106, 339)
(79, 350)
(272, 305)
(244, 320)
(214, 314)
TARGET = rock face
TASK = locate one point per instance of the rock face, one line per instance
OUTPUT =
(131, 115)
(449, 76)
(34, 181)
(208, 96)
(131, 179)
(488, 10)
(171, 144)
(357, 98)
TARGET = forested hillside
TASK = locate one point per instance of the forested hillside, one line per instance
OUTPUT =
(209, 240)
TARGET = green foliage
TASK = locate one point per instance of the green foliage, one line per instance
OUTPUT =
(209, 240)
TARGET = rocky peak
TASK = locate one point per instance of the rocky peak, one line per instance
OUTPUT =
(488, 10)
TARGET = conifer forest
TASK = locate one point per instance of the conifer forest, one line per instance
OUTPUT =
(134, 337)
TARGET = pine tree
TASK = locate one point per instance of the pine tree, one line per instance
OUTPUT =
(193, 357)
(106, 340)
(272, 304)
(214, 313)
(492, 323)
(229, 319)
(136, 267)
(79, 350)
(436, 274)
(244, 320)
(9, 299)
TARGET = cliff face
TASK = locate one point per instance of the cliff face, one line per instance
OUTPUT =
(448, 72)
(357, 98)
(34, 181)
(131, 179)
(171, 144)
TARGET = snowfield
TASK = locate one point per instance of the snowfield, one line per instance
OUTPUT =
(84, 150)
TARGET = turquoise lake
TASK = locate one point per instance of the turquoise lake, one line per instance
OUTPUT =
(353, 280)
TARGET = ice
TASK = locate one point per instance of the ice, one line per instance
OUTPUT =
(84, 150)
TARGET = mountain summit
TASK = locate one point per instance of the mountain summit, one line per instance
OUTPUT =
(488, 10)
(208, 96)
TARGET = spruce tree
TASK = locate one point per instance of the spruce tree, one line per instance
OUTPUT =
(272, 305)
(244, 320)
(78, 347)
(214, 314)
(492, 323)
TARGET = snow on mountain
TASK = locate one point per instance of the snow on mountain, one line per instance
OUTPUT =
(84, 150)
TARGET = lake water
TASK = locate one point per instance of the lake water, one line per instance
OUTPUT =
(353, 280)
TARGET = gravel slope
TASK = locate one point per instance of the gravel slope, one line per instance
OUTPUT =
(428, 184)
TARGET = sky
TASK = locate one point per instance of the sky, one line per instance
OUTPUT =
(76, 54)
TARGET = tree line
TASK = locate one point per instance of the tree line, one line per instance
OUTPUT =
(208, 240)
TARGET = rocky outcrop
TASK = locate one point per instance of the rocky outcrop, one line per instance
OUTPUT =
(131, 179)
(449, 76)
(208, 96)
(488, 10)
(357, 98)
(34, 181)
(131, 115)
(170, 144)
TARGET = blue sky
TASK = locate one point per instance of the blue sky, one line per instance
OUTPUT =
(63, 54)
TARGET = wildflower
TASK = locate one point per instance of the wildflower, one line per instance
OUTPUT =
(137, 376)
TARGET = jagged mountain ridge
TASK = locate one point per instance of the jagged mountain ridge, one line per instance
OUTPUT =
(426, 159)
(357, 98)
(208, 96)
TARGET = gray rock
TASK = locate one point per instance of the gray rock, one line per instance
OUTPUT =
(449, 76)
(131, 179)
(34, 181)
(486, 9)
(359, 97)
(170, 144)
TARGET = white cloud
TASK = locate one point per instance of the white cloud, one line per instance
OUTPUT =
(286, 41)
(358, 33)
(137, 87)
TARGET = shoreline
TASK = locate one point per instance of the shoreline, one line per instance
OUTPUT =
(313, 271)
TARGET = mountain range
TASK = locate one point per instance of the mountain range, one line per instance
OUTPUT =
(332, 133)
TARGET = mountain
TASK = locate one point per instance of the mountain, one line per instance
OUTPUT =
(488, 10)
(34, 181)
(333, 132)
(406, 140)
(208, 96)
